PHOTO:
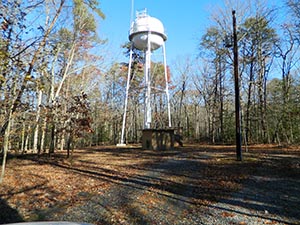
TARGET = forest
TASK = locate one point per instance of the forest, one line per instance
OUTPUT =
(62, 95)
(58, 92)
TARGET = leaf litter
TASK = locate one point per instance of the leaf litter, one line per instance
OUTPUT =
(196, 184)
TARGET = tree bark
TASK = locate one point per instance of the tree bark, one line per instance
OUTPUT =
(37, 120)
(5, 148)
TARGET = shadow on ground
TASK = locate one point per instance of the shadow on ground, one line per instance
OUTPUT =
(147, 187)
(8, 214)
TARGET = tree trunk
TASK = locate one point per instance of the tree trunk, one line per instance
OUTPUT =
(261, 94)
(52, 139)
(221, 97)
(5, 148)
(249, 103)
(27, 140)
(180, 103)
(43, 137)
(37, 120)
(69, 144)
(23, 138)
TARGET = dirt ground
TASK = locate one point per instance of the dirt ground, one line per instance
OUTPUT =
(194, 184)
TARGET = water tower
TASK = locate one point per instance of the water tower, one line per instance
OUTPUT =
(146, 34)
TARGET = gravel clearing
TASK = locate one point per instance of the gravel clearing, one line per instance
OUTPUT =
(189, 185)
(264, 199)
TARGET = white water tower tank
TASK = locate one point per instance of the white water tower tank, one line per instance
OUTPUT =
(144, 27)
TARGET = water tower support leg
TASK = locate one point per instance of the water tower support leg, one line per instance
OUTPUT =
(148, 109)
(167, 86)
(126, 97)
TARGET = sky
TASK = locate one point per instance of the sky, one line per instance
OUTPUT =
(184, 23)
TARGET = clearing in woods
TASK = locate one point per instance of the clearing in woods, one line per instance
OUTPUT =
(194, 184)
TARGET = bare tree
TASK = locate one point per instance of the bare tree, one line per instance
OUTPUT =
(287, 54)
